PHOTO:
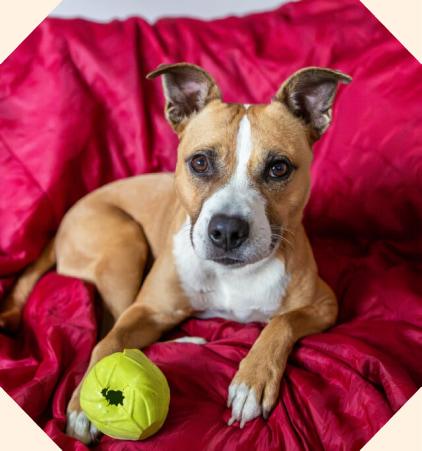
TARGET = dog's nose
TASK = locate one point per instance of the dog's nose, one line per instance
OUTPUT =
(227, 232)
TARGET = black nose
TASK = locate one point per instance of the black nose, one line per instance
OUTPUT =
(227, 232)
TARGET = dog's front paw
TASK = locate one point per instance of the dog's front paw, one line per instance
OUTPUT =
(253, 391)
(77, 424)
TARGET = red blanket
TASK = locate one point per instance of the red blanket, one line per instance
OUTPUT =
(76, 112)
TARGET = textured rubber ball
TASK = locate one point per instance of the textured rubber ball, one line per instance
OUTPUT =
(126, 396)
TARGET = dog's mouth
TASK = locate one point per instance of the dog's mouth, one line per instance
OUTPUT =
(236, 262)
(229, 261)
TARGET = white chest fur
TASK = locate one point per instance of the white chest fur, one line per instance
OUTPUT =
(250, 293)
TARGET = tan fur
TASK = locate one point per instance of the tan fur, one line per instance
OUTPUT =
(197, 136)
(275, 129)
(109, 235)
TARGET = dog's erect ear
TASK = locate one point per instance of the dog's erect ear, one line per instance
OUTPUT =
(187, 89)
(309, 94)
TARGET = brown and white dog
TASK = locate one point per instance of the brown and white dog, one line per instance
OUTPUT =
(224, 233)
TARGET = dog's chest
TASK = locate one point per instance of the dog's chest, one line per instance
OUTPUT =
(252, 293)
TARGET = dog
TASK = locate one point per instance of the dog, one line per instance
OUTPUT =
(224, 233)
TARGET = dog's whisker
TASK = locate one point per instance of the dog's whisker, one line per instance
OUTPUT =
(284, 240)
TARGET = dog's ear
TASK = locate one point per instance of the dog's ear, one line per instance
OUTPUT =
(309, 94)
(187, 89)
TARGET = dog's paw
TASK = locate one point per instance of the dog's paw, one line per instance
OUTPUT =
(194, 340)
(10, 319)
(253, 391)
(78, 426)
(244, 403)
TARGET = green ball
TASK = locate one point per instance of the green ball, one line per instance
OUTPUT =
(126, 396)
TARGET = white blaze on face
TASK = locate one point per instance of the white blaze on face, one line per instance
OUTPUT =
(237, 198)
(243, 154)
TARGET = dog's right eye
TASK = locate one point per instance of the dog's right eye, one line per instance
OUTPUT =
(199, 164)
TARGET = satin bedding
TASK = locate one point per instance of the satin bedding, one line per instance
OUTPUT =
(76, 112)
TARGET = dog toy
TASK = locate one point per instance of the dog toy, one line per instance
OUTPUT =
(126, 396)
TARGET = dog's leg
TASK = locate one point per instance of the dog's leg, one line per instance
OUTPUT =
(158, 307)
(118, 277)
(108, 248)
(255, 388)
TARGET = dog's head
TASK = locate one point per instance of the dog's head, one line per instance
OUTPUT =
(243, 172)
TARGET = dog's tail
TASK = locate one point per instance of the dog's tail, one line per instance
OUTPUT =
(12, 308)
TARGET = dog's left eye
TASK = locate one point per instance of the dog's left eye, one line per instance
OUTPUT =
(199, 164)
(280, 169)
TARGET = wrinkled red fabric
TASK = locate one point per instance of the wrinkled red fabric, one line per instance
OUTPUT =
(76, 112)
